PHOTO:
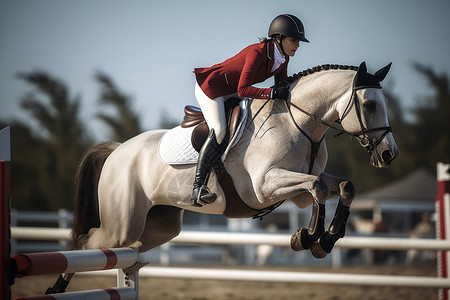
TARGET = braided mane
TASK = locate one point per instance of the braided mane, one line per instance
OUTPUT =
(316, 69)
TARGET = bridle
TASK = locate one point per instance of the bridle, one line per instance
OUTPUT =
(362, 135)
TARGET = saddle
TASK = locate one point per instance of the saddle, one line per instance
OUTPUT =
(193, 116)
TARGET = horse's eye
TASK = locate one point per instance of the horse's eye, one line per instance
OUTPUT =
(370, 105)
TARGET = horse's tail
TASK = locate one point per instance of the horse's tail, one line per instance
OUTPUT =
(86, 214)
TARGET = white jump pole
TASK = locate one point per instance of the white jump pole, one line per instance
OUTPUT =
(443, 223)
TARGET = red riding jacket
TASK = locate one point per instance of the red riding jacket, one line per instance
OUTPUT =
(238, 73)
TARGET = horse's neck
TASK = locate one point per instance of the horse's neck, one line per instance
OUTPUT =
(322, 95)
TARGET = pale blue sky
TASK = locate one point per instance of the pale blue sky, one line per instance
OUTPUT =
(149, 48)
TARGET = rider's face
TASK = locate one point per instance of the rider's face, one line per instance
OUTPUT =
(290, 45)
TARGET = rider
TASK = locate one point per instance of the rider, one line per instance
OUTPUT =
(237, 75)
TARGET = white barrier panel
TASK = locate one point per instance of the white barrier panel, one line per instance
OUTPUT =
(99, 294)
(239, 238)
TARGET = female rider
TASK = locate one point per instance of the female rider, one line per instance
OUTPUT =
(237, 75)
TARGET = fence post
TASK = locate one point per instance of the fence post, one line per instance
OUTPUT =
(5, 196)
(130, 277)
(443, 223)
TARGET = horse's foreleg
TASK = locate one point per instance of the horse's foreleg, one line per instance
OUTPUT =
(284, 184)
(303, 238)
(60, 284)
(326, 242)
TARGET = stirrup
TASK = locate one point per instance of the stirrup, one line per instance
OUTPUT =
(203, 197)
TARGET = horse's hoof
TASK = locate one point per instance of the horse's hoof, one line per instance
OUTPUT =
(296, 240)
(317, 251)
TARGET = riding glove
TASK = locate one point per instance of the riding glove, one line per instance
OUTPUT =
(281, 92)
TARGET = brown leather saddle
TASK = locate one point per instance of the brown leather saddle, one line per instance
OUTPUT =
(193, 116)
(235, 206)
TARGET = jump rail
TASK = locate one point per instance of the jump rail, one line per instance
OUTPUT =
(97, 294)
(47, 263)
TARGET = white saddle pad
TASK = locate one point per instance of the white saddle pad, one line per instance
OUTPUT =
(175, 147)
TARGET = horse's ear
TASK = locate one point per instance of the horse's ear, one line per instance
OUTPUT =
(381, 73)
(361, 73)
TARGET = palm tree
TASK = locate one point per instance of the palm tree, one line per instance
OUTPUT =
(432, 125)
(127, 123)
(61, 135)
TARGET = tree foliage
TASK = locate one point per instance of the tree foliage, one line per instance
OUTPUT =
(125, 123)
(432, 127)
(45, 157)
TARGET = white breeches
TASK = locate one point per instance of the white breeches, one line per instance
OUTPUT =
(214, 112)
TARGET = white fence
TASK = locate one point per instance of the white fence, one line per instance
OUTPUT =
(239, 238)
(234, 238)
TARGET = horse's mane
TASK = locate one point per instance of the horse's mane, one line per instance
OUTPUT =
(316, 69)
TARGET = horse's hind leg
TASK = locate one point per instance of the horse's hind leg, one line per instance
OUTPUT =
(163, 223)
(60, 284)
(122, 221)
(112, 233)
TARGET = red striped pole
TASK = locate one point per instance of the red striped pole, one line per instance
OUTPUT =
(47, 263)
(99, 294)
(443, 223)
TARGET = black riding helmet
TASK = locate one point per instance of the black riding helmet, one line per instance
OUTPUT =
(287, 25)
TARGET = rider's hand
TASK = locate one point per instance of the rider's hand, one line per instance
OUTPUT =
(281, 92)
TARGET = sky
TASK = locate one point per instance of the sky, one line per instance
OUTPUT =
(149, 48)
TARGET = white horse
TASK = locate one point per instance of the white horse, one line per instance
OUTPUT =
(127, 197)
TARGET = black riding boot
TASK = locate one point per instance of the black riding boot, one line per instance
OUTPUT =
(209, 153)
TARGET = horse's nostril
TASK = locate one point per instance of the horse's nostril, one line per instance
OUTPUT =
(387, 156)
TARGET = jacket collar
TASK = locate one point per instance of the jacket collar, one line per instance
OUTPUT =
(270, 44)
(270, 55)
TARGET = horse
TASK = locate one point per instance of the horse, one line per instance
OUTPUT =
(127, 197)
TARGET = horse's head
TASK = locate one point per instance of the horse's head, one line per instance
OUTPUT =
(365, 117)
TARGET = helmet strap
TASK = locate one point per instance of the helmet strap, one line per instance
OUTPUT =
(280, 43)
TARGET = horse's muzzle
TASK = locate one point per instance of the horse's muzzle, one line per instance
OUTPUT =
(384, 153)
